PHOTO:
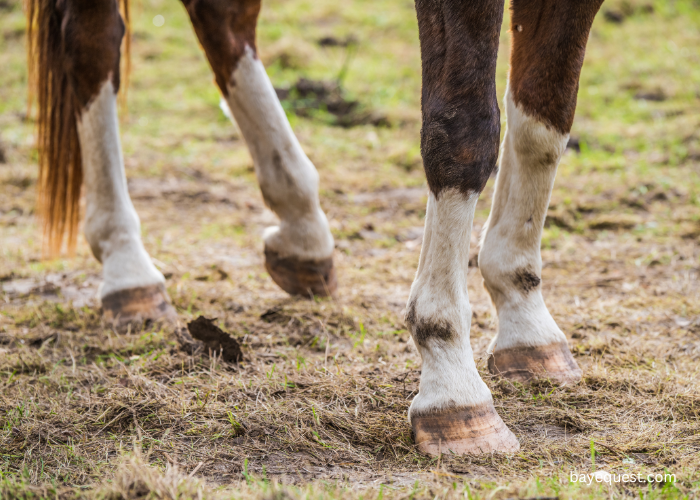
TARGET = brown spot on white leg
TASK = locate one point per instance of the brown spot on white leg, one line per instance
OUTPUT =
(469, 430)
(526, 280)
(136, 306)
(424, 329)
(525, 364)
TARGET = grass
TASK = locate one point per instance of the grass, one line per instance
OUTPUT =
(318, 409)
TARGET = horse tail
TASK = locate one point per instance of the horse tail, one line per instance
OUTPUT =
(60, 164)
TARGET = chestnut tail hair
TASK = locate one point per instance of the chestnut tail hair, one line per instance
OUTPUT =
(60, 163)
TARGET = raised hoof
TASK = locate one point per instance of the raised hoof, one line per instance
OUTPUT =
(136, 306)
(473, 430)
(525, 364)
(302, 277)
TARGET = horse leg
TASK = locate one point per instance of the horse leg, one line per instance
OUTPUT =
(459, 142)
(548, 44)
(132, 289)
(299, 251)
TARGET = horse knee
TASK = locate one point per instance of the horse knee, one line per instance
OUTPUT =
(460, 147)
(461, 119)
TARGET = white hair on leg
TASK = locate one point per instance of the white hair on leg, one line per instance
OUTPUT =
(453, 409)
(288, 179)
(510, 259)
(439, 314)
(112, 226)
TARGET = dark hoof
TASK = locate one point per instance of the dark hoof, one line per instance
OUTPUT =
(472, 430)
(302, 277)
(136, 306)
(525, 364)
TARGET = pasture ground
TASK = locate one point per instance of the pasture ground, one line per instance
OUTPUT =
(318, 409)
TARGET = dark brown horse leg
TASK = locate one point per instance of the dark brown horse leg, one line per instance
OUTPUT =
(548, 44)
(454, 409)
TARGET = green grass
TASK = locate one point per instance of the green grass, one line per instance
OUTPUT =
(85, 412)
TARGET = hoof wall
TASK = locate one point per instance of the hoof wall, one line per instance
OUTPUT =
(473, 430)
(135, 306)
(525, 364)
(302, 277)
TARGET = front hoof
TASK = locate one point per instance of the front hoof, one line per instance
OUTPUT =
(472, 430)
(135, 306)
(302, 277)
(525, 364)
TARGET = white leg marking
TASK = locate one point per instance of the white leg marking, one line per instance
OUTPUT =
(288, 179)
(112, 227)
(510, 259)
(439, 299)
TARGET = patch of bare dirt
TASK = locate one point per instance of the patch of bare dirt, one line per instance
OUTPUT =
(307, 97)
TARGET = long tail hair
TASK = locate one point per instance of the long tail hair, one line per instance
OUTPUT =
(60, 163)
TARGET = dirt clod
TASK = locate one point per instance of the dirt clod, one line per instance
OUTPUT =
(331, 41)
(656, 95)
(310, 98)
(203, 331)
(614, 16)
(613, 222)
(275, 315)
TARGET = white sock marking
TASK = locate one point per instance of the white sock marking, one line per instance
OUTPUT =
(112, 226)
(288, 179)
(511, 242)
(449, 376)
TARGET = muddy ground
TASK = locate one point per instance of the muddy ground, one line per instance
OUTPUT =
(319, 402)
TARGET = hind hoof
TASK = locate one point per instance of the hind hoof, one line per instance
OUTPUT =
(302, 277)
(526, 364)
(472, 430)
(136, 306)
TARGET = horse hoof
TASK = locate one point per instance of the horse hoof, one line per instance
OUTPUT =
(135, 306)
(525, 364)
(302, 277)
(472, 430)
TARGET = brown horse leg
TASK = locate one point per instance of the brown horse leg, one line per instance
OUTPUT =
(548, 44)
(132, 289)
(454, 409)
(298, 252)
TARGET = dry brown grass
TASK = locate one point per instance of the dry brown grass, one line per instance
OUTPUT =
(326, 386)
(319, 405)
